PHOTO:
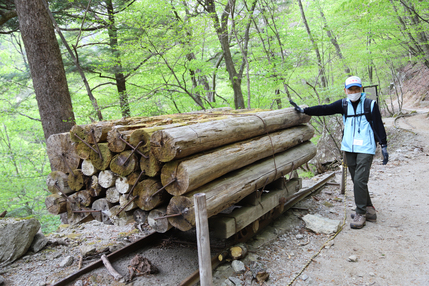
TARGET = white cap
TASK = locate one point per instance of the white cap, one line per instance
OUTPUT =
(353, 81)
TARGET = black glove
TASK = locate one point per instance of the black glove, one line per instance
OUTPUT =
(385, 154)
(297, 108)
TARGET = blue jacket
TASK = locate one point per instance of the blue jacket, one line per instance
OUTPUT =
(355, 128)
(358, 134)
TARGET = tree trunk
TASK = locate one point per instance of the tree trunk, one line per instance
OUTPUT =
(191, 173)
(315, 48)
(231, 188)
(180, 142)
(119, 76)
(46, 66)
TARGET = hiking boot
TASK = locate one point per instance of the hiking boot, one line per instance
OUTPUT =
(358, 221)
(371, 214)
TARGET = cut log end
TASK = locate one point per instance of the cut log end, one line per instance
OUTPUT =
(184, 208)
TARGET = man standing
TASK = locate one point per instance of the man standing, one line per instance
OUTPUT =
(363, 127)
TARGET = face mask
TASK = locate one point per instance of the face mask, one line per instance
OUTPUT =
(354, 96)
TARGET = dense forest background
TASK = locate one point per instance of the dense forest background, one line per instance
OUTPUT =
(74, 62)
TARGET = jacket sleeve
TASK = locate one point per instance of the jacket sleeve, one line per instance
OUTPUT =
(378, 126)
(328, 109)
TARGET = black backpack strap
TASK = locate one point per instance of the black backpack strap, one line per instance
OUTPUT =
(344, 104)
(367, 109)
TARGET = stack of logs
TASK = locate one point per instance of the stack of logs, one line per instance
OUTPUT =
(147, 169)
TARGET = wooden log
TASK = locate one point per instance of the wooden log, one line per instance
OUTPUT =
(127, 203)
(140, 216)
(104, 162)
(56, 204)
(103, 206)
(151, 165)
(114, 142)
(122, 185)
(58, 180)
(97, 132)
(80, 131)
(88, 168)
(82, 150)
(110, 268)
(149, 196)
(76, 180)
(61, 153)
(76, 213)
(195, 171)
(180, 142)
(231, 188)
(94, 188)
(84, 198)
(228, 225)
(157, 221)
(238, 251)
(121, 219)
(124, 163)
(107, 178)
(112, 195)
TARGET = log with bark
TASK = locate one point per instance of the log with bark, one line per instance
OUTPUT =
(124, 163)
(180, 142)
(56, 204)
(157, 221)
(61, 153)
(58, 182)
(150, 194)
(151, 166)
(195, 171)
(101, 162)
(231, 188)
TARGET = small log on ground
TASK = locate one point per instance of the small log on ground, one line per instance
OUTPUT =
(106, 156)
(82, 150)
(124, 163)
(94, 188)
(231, 188)
(149, 196)
(157, 221)
(180, 142)
(238, 251)
(151, 165)
(127, 203)
(88, 168)
(110, 268)
(124, 217)
(56, 204)
(191, 173)
(103, 206)
(112, 195)
(59, 149)
(107, 178)
(58, 180)
(76, 180)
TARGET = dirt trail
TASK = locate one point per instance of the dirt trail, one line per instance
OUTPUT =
(392, 251)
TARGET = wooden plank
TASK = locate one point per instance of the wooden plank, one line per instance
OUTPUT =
(203, 240)
(228, 225)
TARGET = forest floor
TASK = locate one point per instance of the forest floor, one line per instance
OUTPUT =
(392, 251)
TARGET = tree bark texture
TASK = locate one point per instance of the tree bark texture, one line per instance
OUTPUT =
(46, 66)
(195, 171)
(231, 188)
(180, 142)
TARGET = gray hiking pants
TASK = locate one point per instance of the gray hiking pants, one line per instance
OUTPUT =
(359, 166)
